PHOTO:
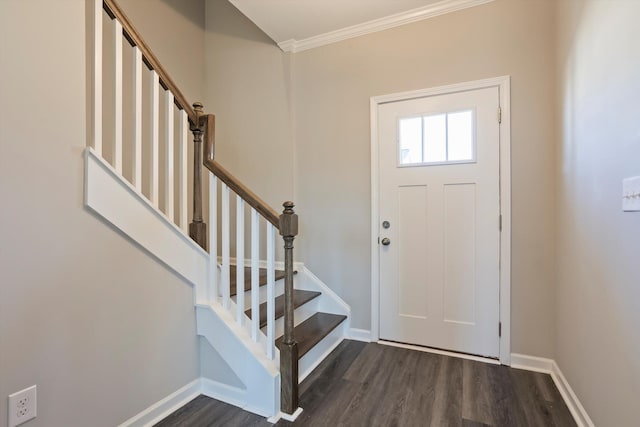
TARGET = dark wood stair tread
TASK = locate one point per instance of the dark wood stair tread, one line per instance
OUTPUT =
(247, 278)
(299, 298)
(313, 330)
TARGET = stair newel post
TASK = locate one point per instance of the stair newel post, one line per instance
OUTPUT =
(197, 227)
(289, 347)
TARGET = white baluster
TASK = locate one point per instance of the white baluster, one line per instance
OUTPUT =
(225, 248)
(169, 165)
(155, 128)
(255, 275)
(117, 112)
(213, 236)
(183, 168)
(137, 122)
(271, 283)
(240, 259)
(97, 76)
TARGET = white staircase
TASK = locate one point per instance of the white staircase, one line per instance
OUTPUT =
(155, 217)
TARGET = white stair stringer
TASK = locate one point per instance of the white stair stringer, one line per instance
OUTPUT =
(246, 358)
(113, 198)
(327, 302)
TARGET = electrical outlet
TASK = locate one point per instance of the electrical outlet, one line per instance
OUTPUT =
(22, 406)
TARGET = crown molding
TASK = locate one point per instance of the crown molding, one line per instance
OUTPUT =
(391, 21)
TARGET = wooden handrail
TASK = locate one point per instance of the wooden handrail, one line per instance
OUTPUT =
(134, 39)
(241, 190)
(196, 119)
(270, 214)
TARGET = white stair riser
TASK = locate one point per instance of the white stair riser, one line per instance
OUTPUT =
(321, 350)
(278, 290)
(301, 314)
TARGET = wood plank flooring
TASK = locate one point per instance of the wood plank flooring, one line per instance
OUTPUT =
(375, 385)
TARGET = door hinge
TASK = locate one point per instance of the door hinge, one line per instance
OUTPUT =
(500, 222)
(499, 329)
(499, 114)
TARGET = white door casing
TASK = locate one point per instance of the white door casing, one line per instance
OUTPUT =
(443, 281)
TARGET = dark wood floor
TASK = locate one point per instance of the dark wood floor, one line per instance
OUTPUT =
(375, 385)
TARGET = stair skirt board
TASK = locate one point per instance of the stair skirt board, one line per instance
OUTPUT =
(118, 202)
(113, 198)
(329, 301)
(246, 359)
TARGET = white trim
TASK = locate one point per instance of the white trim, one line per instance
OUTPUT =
(161, 409)
(503, 84)
(223, 392)
(441, 352)
(112, 197)
(391, 21)
(96, 77)
(531, 363)
(341, 307)
(359, 335)
(282, 416)
(573, 403)
(316, 360)
(279, 265)
(291, 417)
(549, 366)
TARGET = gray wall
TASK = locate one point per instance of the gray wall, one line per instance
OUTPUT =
(598, 310)
(247, 88)
(175, 31)
(334, 84)
(326, 92)
(97, 324)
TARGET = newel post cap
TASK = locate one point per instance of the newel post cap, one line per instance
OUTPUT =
(198, 127)
(288, 220)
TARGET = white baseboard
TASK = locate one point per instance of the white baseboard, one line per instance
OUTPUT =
(549, 366)
(573, 403)
(223, 392)
(359, 335)
(531, 363)
(161, 409)
(287, 417)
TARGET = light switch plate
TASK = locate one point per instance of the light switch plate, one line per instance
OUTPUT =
(631, 194)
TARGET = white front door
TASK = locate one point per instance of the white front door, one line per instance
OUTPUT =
(440, 221)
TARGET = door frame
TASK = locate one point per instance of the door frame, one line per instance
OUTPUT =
(504, 88)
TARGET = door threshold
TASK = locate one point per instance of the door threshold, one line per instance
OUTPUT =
(489, 360)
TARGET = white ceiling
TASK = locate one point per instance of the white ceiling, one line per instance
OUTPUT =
(286, 20)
